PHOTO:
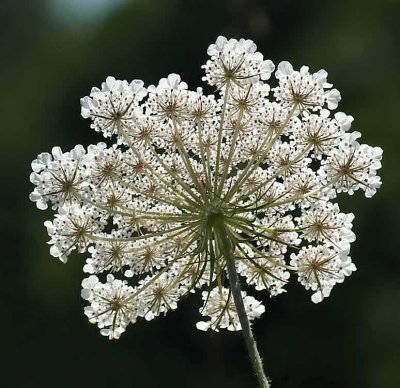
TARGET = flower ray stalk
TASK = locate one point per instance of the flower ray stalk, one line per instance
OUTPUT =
(220, 133)
(256, 161)
(158, 176)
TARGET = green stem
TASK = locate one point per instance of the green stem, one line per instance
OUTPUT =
(226, 249)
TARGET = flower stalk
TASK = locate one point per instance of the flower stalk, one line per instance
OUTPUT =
(226, 248)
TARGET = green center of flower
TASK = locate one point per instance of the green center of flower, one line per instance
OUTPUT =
(213, 216)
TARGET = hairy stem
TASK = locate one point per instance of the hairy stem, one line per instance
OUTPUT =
(226, 249)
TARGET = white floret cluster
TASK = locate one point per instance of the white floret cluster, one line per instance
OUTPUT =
(266, 160)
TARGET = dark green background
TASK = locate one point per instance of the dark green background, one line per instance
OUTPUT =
(351, 340)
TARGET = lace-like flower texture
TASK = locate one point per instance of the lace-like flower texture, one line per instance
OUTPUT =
(268, 159)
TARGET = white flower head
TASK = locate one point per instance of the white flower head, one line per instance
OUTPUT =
(220, 308)
(236, 61)
(198, 189)
(112, 305)
(116, 103)
(303, 91)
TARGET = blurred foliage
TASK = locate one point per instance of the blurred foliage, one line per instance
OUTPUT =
(351, 340)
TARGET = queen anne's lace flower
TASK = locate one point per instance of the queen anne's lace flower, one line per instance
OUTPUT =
(320, 267)
(115, 101)
(112, 305)
(262, 162)
(303, 91)
(219, 306)
(236, 61)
